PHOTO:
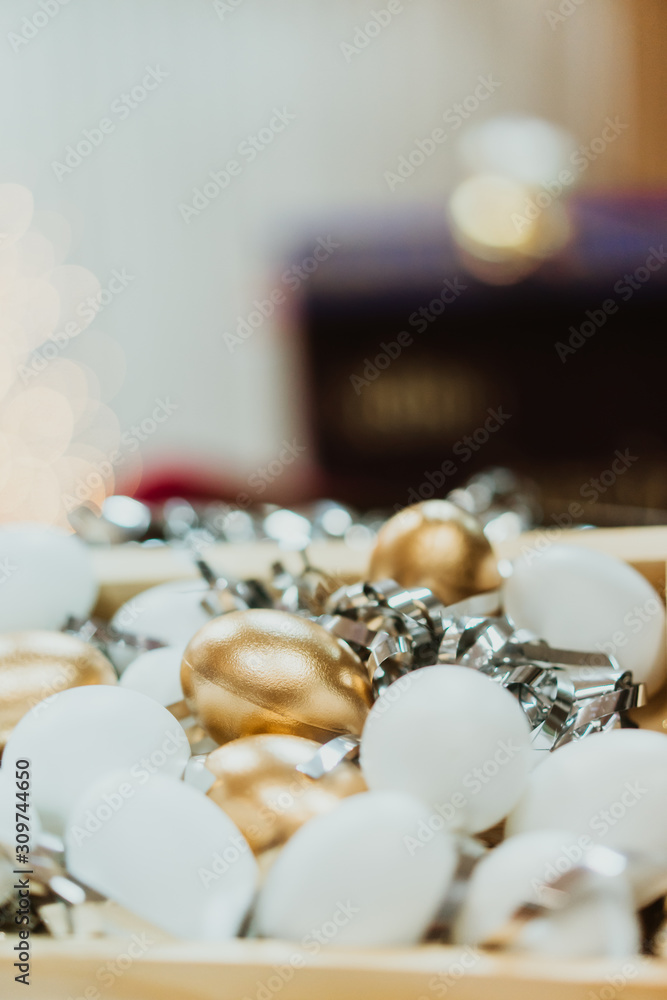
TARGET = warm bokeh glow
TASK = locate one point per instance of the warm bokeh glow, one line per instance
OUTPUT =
(59, 443)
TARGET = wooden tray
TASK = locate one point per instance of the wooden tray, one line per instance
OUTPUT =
(251, 970)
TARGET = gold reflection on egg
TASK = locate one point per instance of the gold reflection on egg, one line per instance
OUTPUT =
(36, 664)
(267, 671)
(258, 786)
(435, 544)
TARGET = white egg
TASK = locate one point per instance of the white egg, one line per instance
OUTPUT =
(455, 739)
(76, 736)
(611, 787)
(576, 598)
(47, 576)
(359, 875)
(165, 852)
(171, 612)
(517, 872)
(156, 673)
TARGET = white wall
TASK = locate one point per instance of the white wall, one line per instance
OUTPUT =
(227, 70)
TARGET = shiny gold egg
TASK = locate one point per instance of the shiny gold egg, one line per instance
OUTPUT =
(36, 664)
(266, 671)
(437, 545)
(258, 786)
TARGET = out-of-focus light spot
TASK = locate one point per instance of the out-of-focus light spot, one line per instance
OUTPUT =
(31, 493)
(42, 419)
(29, 309)
(529, 150)
(7, 369)
(100, 351)
(16, 211)
(98, 427)
(72, 381)
(482, 208)
(504, 527)
(127, 513)
(79, 292)
(290, 530)
(336, 521)
(33, 255)
(57, 230)
(59, 444)
(84, 481)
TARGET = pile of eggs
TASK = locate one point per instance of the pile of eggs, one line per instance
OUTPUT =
(242, 840)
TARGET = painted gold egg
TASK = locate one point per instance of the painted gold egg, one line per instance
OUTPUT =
(36, 664)
(437, 545)
(267, 671)
(258, 786)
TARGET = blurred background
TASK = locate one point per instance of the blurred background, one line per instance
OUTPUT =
(267, 250)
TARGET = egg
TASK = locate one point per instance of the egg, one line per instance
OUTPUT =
(452, 737)
(577, 598)
(266, 671)
(171, 612)
(518, 872)
(353, 876)
(165, 852)
(73, 737)
(47, 576)
(258, 785)
(36, 664)
(437, 545)
(157, 674)
(610, 787)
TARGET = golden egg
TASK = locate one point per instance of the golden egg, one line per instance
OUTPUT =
(266, 671)
(36, 664)
(258, 786)
(437, 545)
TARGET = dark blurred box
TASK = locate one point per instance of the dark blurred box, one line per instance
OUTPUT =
(419, 374)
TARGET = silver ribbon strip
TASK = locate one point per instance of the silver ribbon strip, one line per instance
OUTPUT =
(565, 694)
(330, 755)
